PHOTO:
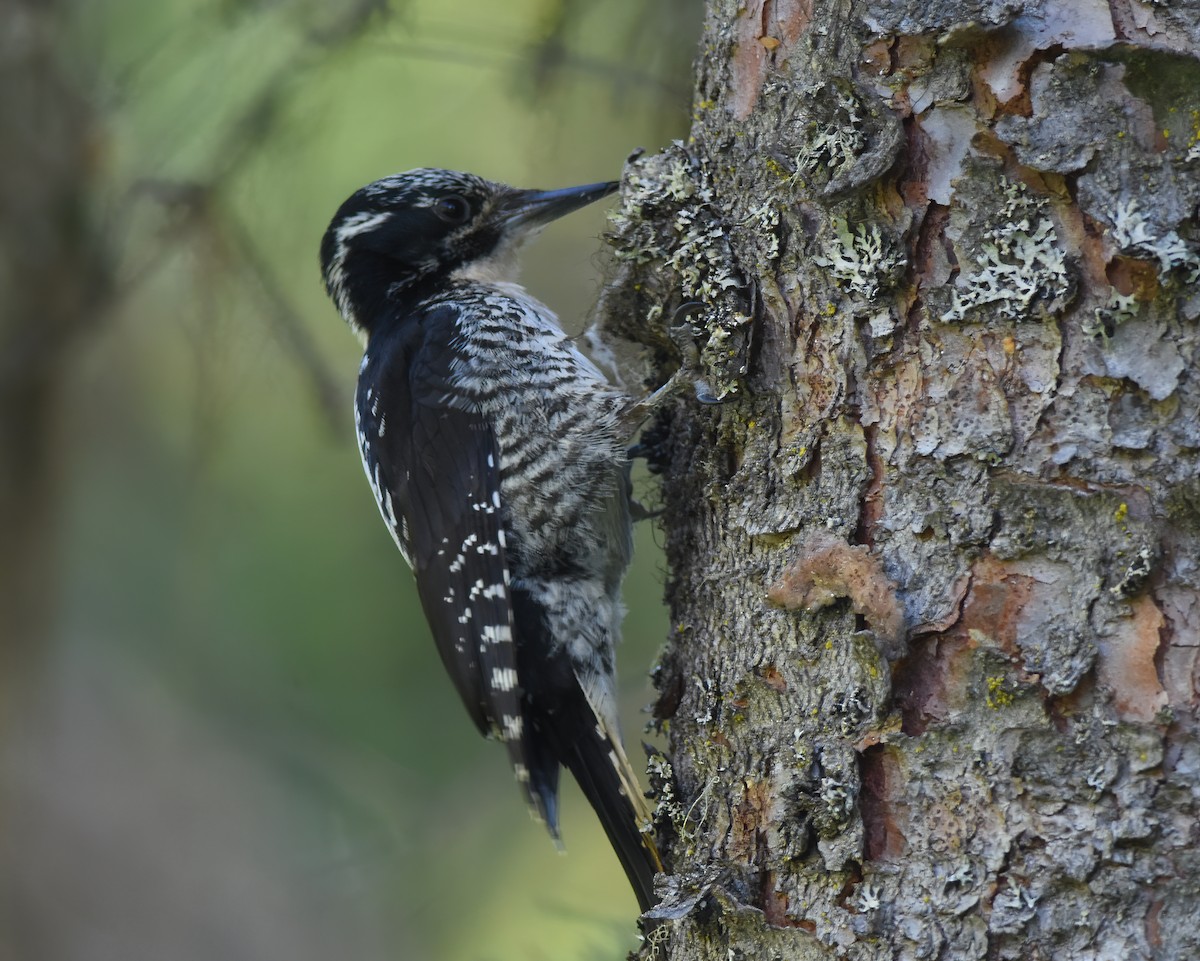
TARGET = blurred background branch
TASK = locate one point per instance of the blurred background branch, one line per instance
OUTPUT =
(55, 279)
(206, 740)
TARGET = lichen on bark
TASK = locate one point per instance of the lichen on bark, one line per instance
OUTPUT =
(956, 339)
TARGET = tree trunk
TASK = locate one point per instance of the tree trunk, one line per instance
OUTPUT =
(931, 689)
(54, 284)
(54, 287)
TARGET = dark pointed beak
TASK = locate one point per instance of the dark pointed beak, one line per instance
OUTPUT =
(523, 210)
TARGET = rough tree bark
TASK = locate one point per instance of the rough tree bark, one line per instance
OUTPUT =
(931, 690)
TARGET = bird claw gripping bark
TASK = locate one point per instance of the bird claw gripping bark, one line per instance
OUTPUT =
(684, 337)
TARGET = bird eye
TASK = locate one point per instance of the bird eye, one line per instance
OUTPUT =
(453, 209)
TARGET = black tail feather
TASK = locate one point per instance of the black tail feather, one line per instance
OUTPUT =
(589, 759)
(562, 728)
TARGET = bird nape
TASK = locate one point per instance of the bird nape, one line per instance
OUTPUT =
(497, 455)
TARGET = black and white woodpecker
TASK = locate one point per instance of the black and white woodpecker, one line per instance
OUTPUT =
(497, 454)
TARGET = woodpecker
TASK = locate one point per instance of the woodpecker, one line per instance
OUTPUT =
(497, 455)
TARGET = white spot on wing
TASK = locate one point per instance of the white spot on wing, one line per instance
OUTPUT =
(504, 678)
(496, 634)
(397, 527)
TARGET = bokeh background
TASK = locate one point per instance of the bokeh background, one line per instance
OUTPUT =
(226, 733)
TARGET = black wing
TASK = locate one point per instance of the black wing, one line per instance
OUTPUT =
(435, 471)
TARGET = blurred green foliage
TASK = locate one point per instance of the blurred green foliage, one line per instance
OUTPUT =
(235, 603)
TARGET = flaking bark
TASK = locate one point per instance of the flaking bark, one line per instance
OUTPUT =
(940, 261)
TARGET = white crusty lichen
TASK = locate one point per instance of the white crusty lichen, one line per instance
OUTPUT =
(709, 700)
(662, 776)
(1018, 261)
(857, 259)
(1131, 233)
(1016, 896)
(851, 708)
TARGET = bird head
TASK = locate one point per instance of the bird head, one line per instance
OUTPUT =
(408, 232)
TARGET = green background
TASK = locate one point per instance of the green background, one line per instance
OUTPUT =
(251, 748)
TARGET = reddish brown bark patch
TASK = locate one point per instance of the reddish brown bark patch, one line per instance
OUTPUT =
(1126, 663)
(763, 30)
(748, 62)
(881, 780)
(1153, 927)
(913, 187)
(934, 681)
(748, 820)
(877, 56)
(997, 599)
(772, 678)
(872, 503)
(791, 19)
(1133, 277)
(775, 903)
(828, 569)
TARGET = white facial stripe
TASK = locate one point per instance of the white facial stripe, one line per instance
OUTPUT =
(360, 223)
(347, 230)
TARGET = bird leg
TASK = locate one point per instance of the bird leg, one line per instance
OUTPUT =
(683, 336)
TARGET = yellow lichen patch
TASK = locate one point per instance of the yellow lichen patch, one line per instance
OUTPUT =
(775, 167)
(997, 695)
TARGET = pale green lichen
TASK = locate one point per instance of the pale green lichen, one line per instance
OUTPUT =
(857, 259)
(834, 141)
(837, 799)
(1019, 261)
(672, 227)
(763, 221)
(1115, 310)
(867, 898)
(687, 822)
(1131, 233)
(702, 258)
